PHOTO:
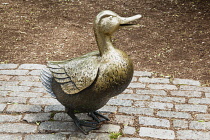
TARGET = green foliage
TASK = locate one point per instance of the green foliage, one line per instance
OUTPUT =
(38, 123)
(52, 116)
(115, 135)
(76, 111)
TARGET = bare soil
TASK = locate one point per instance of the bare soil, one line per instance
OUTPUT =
(173, 40)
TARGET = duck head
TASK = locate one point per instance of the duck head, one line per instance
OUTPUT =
(106, 23)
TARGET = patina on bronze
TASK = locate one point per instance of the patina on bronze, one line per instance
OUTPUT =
(86, 83)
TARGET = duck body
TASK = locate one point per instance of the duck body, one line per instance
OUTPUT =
(86, 83)
(115, 71)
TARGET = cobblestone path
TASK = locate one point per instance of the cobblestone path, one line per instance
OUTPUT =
(150, 108)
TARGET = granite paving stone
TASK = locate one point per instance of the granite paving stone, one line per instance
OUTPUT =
(133, 96)
(31, 84)
(156, 133)
(15, 88)
(13, 100)
(189, 107)
(17, 128)
(38, 89)
(158, 105)
(186, 82)
(142, 104)
(8, 66)
(26, 78)
(150, 108)
(125, 119)
(155, 105)
(180, 124)
(107, 108)
(195, 88)
(151, 92)
(129, 138)
(186, 93)
(34, 72)
(10, 137)
(45, 137)
(23, 108)
(47, 95)
(134, 79)
(25, 94)
(154, 80)
(14, 72)
(90, 136)
(44, 101)
(9, 83)
(10, 118)
(56, 126)
(2, 107)
(66, 117)
(207, 95)
(128, 91)
(151, 121)
(199, 101)
(109, 128)
(172, 114)
(34, 117)
(162, 86)
(136, 85)
(50, 108)
(199, 125)
(193, 134)
(169, 99)
(5, 77)
(62, 117)
(205, 117)
(4, 93)
(119, 102)
(142, 73)
(132, 110)
(129, 130)
(31, 66)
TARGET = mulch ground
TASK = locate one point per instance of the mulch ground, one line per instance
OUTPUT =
(173, 40)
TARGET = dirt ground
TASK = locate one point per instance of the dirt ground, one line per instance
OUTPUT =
(173, 39)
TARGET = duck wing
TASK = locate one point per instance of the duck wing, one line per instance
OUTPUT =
(76, 74)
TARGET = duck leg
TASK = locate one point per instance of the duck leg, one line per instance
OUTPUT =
(96, 116)
(81, 123)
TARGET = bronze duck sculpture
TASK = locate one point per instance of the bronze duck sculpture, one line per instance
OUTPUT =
(85, 84)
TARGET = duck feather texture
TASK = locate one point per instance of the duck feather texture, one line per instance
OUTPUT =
(76, 74)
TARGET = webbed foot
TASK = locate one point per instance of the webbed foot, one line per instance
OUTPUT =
(96, 116)
(90, 125)
(81, 124)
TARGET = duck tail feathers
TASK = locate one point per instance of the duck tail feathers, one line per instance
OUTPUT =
(46, 79)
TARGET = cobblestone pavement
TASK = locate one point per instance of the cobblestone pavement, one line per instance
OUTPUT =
(150, 108)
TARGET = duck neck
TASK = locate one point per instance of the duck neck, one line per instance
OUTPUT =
(104, 42)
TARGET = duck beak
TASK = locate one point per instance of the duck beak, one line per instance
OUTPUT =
(124, 21)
